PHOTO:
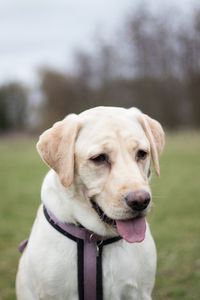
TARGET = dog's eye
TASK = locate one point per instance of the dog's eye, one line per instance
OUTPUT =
(141, 155)
(100, 159)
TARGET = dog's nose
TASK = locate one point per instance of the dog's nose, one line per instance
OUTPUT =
(138, 200)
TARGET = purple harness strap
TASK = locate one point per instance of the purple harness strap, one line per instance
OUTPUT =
(90, 248)
(22, 245)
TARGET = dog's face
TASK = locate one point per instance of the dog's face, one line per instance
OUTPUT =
(106, 154)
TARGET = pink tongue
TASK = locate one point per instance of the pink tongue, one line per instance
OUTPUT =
(133, 231)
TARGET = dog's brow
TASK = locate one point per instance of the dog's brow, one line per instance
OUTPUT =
(106, 146)
(133, 143)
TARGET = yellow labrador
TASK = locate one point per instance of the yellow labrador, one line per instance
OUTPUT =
(100, 169)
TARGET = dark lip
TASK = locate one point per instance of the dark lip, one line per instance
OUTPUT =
(108, 220)
(102, 215)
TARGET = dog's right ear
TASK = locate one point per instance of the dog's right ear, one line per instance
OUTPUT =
(156, 136)
(56, 147)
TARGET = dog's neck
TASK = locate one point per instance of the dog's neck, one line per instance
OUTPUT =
(69, 205)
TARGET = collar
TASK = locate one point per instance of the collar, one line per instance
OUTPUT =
(89, 256)
(73, 231)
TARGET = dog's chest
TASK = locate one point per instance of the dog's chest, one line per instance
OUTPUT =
(128, 269)
(121, 274)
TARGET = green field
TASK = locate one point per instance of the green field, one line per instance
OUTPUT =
(175, 218)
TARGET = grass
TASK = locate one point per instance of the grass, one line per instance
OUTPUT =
(175, 219)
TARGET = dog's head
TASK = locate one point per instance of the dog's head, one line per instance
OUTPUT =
(105, 154)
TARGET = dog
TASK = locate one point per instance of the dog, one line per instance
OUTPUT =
(98, 180)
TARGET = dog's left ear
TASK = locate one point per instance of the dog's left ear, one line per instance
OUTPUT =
(56, 147)
(156, 137)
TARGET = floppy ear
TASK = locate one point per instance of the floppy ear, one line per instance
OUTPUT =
(156, 137)
(56, 147)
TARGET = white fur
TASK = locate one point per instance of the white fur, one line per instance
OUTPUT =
(48, 269)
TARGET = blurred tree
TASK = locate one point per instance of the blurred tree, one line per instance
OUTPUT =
(63, 94)
(13, 106)
(165, 56)
(193, 73)
(159, 74)
(194, 94)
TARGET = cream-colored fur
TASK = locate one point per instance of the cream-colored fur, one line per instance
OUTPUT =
(47, 268)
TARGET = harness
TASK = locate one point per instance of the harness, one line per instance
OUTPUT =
(89, 255)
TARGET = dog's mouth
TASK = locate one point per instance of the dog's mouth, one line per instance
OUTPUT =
(102, 215)
(132, 230)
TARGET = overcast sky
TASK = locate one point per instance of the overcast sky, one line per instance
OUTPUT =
(47, 32)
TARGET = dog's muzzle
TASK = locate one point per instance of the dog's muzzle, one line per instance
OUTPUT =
(132, 229)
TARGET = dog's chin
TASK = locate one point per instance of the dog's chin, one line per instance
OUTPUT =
(111, 222)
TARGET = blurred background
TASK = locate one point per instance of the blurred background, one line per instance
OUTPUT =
(60, 57)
